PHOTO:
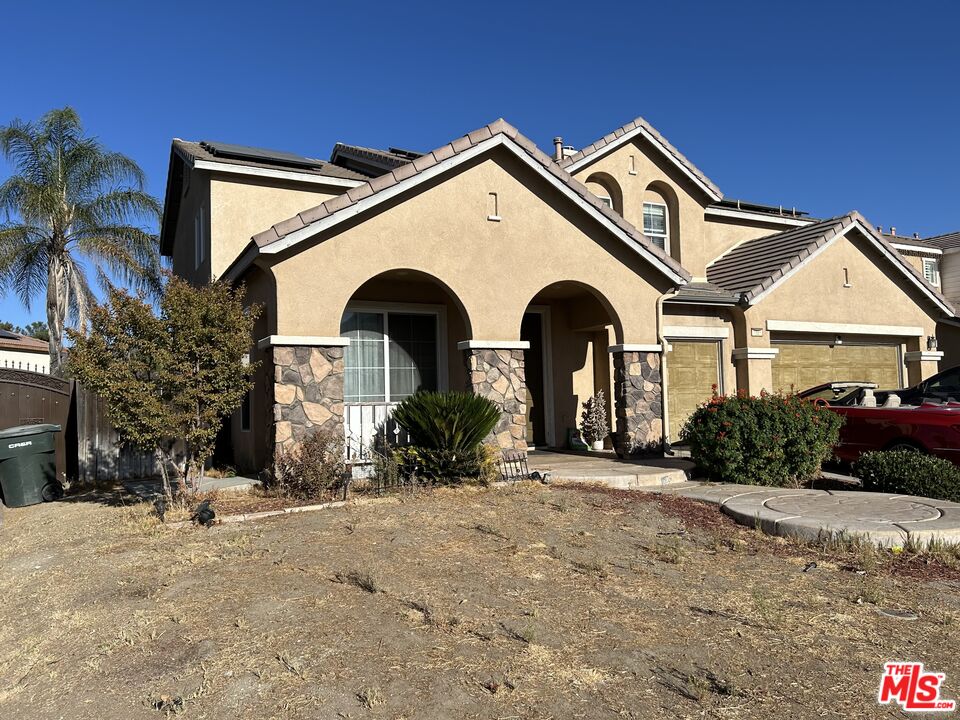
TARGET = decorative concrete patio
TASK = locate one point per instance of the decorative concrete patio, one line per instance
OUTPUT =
(888, 520)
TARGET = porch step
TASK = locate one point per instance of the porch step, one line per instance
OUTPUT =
(624, 475)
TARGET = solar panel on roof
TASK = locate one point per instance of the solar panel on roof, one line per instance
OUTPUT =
(7, 335)
(244, 152)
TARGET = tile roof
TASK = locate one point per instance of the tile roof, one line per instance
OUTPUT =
(640, 123)
(382, 160)
(24, 343)
(908, 240)
(445, 152)
(754, 266)
(704, 292)
(947, 241)
(196, 151)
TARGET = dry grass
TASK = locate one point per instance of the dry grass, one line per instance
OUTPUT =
(526, 602)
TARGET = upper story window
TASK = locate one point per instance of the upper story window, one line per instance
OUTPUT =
(931, 271)
(199, 246)
(655, 224)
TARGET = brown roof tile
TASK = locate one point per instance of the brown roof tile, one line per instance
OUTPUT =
(403, 172)
(947, 241)
(754, 266)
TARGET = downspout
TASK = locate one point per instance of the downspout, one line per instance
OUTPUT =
(663, 367)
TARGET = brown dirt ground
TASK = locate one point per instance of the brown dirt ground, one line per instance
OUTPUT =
(525, 602)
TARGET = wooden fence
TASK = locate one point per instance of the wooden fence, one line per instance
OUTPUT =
(88, 449)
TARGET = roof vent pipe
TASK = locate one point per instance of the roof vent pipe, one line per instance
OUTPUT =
(558, 148)
(893, 231)
(916, 236)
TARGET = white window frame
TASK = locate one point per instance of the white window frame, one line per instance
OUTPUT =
(199, 244)
(607, 200)
(440, 313)
(934, 265)
(666, 224)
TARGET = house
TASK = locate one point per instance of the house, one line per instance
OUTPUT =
(22, 352)
(534, 280)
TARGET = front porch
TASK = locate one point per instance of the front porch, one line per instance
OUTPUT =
(607, 469)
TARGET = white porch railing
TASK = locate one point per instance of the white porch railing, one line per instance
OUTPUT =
(367, 426)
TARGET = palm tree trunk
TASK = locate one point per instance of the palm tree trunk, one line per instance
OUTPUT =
(56, 312)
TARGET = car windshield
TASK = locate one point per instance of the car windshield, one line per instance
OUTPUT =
(834, 395)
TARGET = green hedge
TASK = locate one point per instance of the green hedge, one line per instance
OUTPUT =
(777, 439)
(907, 472)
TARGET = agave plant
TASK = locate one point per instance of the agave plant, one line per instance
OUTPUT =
(453, 422)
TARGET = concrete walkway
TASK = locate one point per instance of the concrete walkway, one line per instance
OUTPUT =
(888, 520)
(608, 469)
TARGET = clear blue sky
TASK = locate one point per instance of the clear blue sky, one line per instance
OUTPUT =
(828, 106)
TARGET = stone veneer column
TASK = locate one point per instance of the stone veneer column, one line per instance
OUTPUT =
(638, 395)
(307, 393)
(498, 375)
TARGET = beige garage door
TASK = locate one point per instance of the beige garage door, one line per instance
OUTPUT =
(799, 366)
(692, 368)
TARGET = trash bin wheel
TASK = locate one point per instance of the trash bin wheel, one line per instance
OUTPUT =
(52, 491)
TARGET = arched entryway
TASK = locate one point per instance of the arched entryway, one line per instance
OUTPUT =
(403, 327)
(569, 327)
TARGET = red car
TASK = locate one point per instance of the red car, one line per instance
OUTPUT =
(929, 427)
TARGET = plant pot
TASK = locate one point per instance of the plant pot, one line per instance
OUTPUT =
(597, 445)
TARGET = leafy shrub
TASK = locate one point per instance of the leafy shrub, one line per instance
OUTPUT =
(315, 469)
(446, 431)
(768, 440)
(909, 472)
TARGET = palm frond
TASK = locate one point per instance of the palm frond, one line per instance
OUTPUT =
(449, 421)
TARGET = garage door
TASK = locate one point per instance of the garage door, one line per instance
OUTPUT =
(799, 366)
(692, 368)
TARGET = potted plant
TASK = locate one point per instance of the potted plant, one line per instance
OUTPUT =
(593, 421)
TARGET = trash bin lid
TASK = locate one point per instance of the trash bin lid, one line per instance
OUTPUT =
(22, 430)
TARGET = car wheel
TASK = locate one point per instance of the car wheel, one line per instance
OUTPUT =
(906, 445)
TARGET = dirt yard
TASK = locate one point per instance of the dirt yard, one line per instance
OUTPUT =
(526, 602)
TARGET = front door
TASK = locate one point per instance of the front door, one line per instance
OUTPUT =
(531, 331)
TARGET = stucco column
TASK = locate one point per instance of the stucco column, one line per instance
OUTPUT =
(754, 368)
(638, 397)
(498, 375)
(921, 364)
(306, 393)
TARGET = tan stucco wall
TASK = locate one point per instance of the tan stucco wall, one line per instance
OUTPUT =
(242, 207)
(701, 240)
(879, 295)
(493, 268)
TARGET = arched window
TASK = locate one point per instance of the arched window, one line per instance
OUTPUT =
(607, 189)
(661, 221)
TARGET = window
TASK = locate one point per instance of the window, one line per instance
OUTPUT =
(391, 355)
(655, 224)
(245, 413)
(931, 271)
(198, 240)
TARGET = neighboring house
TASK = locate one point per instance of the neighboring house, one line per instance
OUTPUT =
(21, 352)
(535, 281)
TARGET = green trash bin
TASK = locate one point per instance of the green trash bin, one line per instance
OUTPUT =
(28, 465)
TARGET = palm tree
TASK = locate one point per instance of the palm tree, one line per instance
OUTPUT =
(71, 205)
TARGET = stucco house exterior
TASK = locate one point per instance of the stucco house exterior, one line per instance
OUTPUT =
(22, 352)
(534, 280)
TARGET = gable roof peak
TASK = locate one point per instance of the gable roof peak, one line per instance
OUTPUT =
(625, 133)
(307, 223)
(755, 267)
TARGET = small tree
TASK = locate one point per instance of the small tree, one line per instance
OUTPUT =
(172, 375)
(593, 419)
